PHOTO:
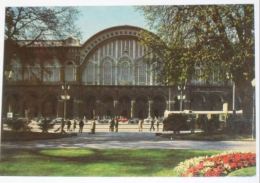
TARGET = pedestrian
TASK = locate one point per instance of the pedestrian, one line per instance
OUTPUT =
(112, 125)
(93, 127)
(74, 125)
(152, 125)
(116, 125)
(140, 125)
(81, 125)
(68, 125)
(157, 123)
(62, 126)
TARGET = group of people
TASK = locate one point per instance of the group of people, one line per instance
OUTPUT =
(113, 125)
(153, 121)
(81, 126)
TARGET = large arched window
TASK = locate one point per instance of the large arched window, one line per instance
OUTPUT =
(17, 70)
(32, 72)
(124, 73)
(51, 72)
(70, 72)
(154, 74)
(141, 73)
(198, 75)
(89, 74)
(107, 72)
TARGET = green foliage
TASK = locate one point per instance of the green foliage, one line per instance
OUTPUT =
(45, 125)
(238, 125)
(31, 24)
(201, 35)
(249, 171)
(18, 124)
(175, 123)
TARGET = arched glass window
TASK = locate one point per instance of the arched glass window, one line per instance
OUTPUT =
(70, 72)
(89, 74)
(32, 72)
(107, 72)
(154, 74)
(124, 72)
(51, 72)
(17, 74)
(141, 73)
(198, 73)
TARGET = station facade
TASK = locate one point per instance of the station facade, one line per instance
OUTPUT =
(108, 75)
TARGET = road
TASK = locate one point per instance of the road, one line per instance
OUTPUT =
(131, 140)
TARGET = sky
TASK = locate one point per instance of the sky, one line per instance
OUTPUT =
(93, 19)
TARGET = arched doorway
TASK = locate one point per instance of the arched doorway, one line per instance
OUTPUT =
(124, 106)
(108, 107)
(90, 107)
(141, 110)
(159, 106)
(49, 106)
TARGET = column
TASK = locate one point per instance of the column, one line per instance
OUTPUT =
(150, 102)
(132, 108)
(60, 108)
(76, 108)
(115, 102)
(98, 110)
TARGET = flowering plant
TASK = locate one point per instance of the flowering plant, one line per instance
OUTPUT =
(217, 165)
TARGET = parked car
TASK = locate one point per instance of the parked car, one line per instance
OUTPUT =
(148, 120)
(133, 120)
(123, 119)
(57, 120)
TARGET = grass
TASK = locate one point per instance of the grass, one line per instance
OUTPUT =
(250, 171)
(94, 162)
(209, 137)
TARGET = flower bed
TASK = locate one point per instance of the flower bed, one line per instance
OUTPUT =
(217, 165)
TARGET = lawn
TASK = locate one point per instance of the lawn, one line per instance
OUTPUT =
(208, 137)
(94, 162)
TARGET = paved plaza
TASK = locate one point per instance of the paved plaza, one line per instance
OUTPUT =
(131, 140)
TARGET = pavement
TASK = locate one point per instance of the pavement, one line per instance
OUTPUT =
(131, 140)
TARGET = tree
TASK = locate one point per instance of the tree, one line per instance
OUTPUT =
(46, 124)
(30, 24)
(209, 36)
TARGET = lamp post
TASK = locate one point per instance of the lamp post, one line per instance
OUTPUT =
(230, 76)
(253, 107)
(182, 96)
(65, 96)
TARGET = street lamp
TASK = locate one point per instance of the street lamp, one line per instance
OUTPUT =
(230, 76)
(253, 106)
(181, 97)
(65, 96)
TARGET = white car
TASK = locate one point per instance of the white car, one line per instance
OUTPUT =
(148, 120)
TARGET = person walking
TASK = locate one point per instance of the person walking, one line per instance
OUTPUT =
(112, 125)
(93, 127)
(116, 125)
(140, 125)
(74, 125)
(68, 125)
(62, 126)
(157, 123)
(81, 125)
(152, 125)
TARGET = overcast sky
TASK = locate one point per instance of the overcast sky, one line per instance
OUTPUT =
(93, 19)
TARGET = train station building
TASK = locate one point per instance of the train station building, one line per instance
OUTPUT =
(107, 75)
